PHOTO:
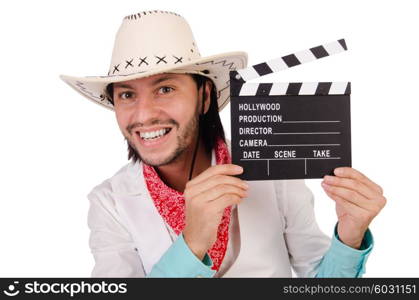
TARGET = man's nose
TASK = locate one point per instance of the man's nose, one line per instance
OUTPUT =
(145, 109)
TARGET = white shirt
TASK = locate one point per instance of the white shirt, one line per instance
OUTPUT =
(272, 230)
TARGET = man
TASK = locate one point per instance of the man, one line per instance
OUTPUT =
(177, 209)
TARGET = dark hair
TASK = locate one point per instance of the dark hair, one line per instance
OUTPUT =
(210, 126)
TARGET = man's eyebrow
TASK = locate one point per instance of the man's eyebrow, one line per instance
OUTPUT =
(163, 78)
(122, 85)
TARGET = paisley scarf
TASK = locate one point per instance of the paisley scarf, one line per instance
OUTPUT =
(171, 205)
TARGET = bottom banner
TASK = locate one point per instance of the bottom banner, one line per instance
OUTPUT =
(259, 288)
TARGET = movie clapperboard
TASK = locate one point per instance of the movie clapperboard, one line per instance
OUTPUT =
(290, 130)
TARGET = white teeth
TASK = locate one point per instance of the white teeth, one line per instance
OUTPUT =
(153, 134)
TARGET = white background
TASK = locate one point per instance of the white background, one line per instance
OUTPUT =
(56, 145)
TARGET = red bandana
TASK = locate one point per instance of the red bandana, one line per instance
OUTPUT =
(171, 205)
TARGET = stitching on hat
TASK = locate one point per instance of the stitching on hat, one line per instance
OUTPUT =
(119, 75)
(150, 12)
(115, 68)
(178, 59)
(160, 59)
(82, 88)
(143, 60)
(129, 63)
(223, 62)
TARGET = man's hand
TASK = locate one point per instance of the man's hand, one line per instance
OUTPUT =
(206, 197)
(358, 201)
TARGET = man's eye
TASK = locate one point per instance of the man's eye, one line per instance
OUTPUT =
(165, 89)
(125, 95)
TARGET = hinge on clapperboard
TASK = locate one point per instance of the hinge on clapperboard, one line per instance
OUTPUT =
(295, 167)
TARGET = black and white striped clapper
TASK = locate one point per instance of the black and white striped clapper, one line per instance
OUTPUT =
(290, 130)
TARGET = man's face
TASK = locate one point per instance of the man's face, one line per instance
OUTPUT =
(158, 115)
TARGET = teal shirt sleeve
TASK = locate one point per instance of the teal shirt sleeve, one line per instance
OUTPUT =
(344, 261)
(179, 261)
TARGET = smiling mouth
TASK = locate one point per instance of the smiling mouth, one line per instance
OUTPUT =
(153, 135)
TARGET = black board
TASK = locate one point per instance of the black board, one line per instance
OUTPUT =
(289, 136)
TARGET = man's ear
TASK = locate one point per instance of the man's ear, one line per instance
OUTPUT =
(208, 87)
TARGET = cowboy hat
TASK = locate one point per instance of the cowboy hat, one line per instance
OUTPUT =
(155, 42)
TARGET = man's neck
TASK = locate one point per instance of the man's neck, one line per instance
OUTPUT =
(176, 174)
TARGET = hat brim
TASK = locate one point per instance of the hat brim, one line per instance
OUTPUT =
(217, 69)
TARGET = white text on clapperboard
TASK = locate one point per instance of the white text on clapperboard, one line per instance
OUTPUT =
(277, 118)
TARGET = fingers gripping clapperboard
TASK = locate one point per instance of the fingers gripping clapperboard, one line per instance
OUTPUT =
(290, 130)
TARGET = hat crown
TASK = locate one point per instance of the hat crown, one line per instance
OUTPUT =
(155, 42)
(152, 39)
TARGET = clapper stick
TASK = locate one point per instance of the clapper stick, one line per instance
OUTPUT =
(290, 130)
(291, 60)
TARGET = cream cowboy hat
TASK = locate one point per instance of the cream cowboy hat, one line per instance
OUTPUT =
(154, 42)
